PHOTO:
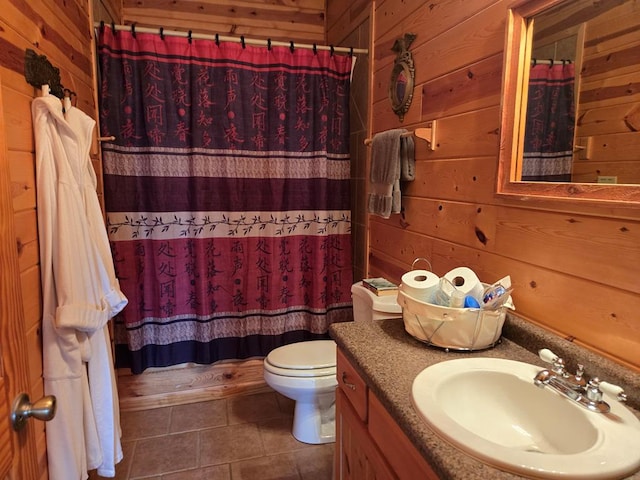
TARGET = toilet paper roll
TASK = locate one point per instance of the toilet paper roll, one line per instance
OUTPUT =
(465, 280)
(420, 284)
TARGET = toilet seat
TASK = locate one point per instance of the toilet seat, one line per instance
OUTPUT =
(315, 358)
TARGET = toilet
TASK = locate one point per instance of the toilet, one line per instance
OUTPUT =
(306, 371)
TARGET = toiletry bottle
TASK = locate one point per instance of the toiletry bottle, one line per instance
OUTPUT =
(457, 299)
(443, 294)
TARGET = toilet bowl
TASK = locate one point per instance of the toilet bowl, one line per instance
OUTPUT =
(306, 372)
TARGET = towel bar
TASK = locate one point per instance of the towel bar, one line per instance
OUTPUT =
(427, 133)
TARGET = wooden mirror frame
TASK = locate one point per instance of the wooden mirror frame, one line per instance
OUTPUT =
(565, 195)
(403, 63)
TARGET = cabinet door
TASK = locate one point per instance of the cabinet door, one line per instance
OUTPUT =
(356, 456)
(403, 456)
(352, 385)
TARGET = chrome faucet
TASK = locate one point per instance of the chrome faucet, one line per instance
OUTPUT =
(588, 394)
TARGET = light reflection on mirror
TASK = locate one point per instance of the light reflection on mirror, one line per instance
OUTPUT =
(606, 145)
(401, 86)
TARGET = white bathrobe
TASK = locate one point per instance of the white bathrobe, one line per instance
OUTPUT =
(80, 295)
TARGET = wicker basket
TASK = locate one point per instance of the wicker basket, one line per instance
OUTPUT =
(452, 328)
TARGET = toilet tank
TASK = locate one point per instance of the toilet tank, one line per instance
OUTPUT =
(369, 306)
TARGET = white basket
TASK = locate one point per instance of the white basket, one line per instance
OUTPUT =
(451, 328)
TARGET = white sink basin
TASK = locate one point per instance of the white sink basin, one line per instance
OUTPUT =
(490, 409)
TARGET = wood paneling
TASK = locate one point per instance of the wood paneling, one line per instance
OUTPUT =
(19, 129)
(189, 383)
(23, 177)
(302, 21)
(349, 24)
(41, 26)
(27, 240)
(107, 11)
(471, 88)
(342, 17)
(427, 19)
(574, 274)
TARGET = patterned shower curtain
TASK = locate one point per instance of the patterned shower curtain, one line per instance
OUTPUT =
(550, 124)
(227, 195)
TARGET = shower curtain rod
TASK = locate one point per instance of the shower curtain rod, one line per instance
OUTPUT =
(241, 39)
(550, 61)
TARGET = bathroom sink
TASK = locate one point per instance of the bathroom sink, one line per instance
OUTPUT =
(490, 409)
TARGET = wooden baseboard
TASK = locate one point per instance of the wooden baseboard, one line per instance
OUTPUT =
(162, 387)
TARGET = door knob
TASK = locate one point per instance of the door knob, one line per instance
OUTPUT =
(43, 409)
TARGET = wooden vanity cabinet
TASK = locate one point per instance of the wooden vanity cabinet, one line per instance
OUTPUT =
(356, 455)
(369, 443)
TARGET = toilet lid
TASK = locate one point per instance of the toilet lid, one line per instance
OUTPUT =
(305, 357)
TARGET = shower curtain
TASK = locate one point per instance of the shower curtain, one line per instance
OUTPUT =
(550, 124)
(226, 195)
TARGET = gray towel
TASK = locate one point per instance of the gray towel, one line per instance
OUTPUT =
(407, 159)
(391, 158)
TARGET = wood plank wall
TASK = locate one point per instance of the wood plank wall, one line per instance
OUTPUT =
(575, 273)
(349, 24)
(107, 11)
(298, 20)
(61, 31)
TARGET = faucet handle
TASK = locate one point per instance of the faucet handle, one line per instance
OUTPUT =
(593, 391)
(547, 355)
(613, 390)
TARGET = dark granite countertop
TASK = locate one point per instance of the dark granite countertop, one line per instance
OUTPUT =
(389, 359)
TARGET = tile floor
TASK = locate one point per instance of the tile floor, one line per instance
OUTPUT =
(240, 438)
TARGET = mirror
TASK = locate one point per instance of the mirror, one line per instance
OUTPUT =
(604, 49)
(402, 76)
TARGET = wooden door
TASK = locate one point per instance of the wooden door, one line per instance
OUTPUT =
(18, 456)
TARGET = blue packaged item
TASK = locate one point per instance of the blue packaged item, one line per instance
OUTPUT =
(471, 302)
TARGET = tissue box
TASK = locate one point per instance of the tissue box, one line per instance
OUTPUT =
(451, 328)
